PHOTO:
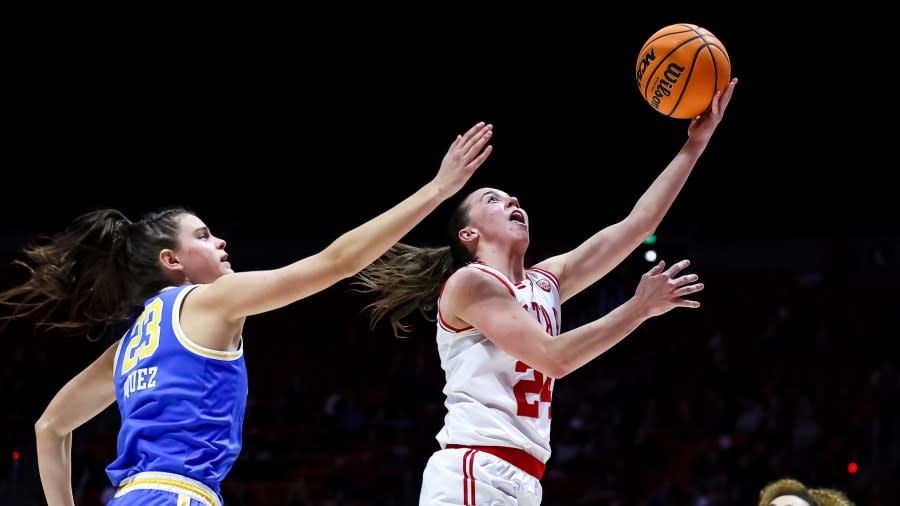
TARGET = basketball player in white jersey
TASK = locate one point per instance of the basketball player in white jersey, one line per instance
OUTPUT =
(498, 325)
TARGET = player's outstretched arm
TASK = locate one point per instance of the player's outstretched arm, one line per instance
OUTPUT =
(243, 294)
(602, 252)
(476, 299)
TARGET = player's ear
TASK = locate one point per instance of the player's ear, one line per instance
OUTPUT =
(468, 234)
(168, 260)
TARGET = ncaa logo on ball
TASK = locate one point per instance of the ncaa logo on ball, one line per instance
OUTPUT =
(645, 60)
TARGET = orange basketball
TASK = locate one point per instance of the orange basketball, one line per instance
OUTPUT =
(680, 68)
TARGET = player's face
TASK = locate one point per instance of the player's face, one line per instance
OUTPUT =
(788, 500)
(201, 253)
(495, 215)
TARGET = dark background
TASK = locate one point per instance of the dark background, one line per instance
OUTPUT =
(283, 130)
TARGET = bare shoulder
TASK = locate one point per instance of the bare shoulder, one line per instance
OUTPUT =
(462, 278)
(456, 285)
(554, 265)
(202, 299)
(467, 285)
(467, 278)
(204, 322)
(468, 293)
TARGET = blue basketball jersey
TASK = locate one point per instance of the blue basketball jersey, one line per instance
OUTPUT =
(182, 405)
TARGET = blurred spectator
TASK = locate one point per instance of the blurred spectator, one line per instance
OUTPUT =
(790, 492)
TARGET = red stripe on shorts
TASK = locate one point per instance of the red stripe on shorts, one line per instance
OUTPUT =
(519, 458)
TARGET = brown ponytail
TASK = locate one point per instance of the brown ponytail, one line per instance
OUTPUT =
(91, 277)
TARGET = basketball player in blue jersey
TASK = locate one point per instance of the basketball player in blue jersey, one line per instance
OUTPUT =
(178, 372)
(499, 333)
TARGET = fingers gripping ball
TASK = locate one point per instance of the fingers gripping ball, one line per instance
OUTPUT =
(680, 68)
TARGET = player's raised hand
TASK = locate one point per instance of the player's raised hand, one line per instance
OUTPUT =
(703, 126)
(465, 155)
(661, 290)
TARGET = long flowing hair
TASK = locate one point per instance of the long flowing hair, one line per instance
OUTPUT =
(91, 277)
(407, 279)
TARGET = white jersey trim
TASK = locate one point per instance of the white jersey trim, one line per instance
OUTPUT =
(191, 345)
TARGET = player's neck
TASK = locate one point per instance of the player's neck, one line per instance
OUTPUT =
(511, 265)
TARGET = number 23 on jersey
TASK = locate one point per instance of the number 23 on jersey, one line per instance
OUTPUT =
(143, 340)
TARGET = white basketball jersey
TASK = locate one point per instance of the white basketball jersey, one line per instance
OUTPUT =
(492, 398)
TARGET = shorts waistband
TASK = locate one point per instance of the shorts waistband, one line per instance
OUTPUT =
(519, 458)
(169, 482)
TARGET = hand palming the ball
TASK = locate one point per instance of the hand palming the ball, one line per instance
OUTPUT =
(703, 126)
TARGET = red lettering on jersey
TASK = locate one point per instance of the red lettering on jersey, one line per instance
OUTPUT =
(538, 385)
(542, 316)
(548, 322)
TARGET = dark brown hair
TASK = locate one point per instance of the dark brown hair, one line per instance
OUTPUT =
(92, 276)
(408, 278)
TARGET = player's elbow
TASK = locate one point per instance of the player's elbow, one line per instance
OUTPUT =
(555, 372)
(642, 221)
(44, 428)
(554, 365)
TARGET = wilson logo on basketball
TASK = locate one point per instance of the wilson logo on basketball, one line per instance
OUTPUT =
(544, 284)
(666, 83)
